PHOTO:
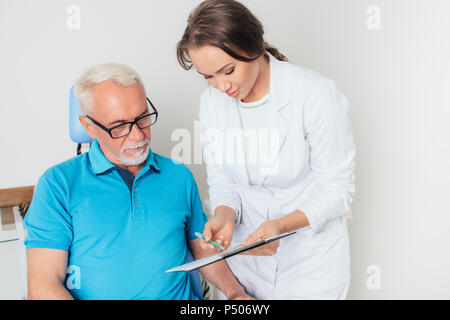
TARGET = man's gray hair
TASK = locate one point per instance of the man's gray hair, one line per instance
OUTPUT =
(120, 74)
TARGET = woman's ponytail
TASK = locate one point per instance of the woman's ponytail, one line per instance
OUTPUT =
(274, 52)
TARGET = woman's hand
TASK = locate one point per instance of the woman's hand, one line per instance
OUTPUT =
(219, 228)
(267, 229)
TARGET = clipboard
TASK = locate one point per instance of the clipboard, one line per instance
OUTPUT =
(227, 253)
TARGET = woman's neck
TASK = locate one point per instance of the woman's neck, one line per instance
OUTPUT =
(262, 84)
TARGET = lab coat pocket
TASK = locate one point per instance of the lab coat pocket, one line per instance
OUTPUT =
(335, 256)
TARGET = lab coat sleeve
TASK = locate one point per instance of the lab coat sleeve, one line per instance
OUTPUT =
(332, 156)
(222, 190)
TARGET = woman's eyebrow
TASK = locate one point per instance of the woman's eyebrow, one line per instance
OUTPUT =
(217, 70)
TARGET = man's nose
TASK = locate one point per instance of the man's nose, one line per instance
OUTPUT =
(136, 133)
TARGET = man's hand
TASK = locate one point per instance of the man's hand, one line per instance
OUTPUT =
(219, 228)
(219, 273)
(267, 229)
(239, 295)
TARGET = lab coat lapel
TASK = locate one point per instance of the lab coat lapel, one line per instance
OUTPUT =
(233, 136)
(279, 98)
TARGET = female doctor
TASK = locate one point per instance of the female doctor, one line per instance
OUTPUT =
(279, 153)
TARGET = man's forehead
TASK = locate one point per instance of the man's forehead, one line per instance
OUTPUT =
(109, 90)
(114, 102)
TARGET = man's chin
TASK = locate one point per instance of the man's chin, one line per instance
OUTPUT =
(135, 160)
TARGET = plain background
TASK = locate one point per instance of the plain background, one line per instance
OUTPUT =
(397, 79)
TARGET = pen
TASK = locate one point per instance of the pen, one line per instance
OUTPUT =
(199, 235)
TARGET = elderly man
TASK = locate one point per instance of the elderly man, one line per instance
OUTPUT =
(117, 217)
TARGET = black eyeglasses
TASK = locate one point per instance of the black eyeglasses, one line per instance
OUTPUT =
(124, 129)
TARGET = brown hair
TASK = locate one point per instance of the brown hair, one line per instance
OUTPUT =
(228, 25)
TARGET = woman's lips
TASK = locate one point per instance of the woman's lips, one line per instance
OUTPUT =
(234, 93)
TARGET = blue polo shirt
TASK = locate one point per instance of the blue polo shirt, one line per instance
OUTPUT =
(121, 233)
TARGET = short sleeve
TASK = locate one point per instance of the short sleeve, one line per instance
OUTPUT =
(197, 219)
(47, 222)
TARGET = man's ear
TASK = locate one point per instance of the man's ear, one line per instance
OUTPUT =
(87, 126)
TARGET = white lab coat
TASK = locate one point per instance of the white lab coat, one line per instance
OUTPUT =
(312, 170)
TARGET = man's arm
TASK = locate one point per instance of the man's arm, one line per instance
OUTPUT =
(46, 274)
(219, 274)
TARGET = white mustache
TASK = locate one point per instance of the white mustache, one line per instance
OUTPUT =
(136, 145)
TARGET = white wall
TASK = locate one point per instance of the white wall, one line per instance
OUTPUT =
(397, 79)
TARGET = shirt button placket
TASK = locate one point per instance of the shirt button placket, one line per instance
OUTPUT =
(136, 207)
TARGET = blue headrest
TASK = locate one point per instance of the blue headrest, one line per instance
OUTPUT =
(76, 130)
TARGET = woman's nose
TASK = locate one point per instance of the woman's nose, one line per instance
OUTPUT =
(223, 85)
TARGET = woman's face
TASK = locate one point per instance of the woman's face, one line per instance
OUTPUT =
(225, 73)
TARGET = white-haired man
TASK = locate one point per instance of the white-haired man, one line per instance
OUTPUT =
(108, 223)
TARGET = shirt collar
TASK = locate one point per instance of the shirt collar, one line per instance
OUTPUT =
(100, 164)
(151, 161)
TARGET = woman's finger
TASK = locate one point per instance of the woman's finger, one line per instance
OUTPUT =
(265, 250)
(207, 231)
(253, 237)
(276, 244)
(203, 244)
